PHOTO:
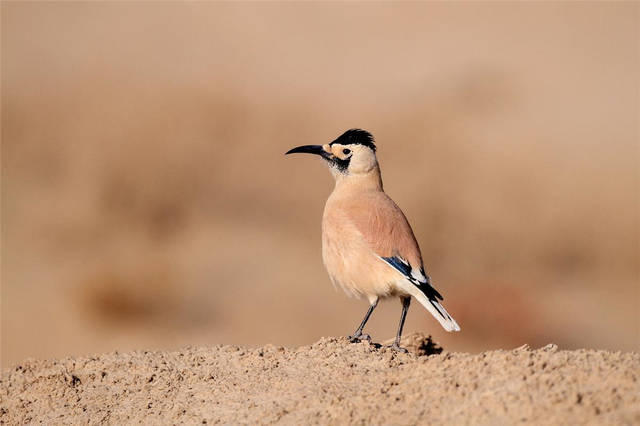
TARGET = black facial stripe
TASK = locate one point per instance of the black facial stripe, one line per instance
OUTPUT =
(341, 165)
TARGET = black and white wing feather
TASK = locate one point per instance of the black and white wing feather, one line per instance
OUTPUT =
(427, 295)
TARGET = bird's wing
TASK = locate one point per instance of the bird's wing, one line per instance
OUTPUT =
(387, 231)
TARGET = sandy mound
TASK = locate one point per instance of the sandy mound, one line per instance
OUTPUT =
(330, 381)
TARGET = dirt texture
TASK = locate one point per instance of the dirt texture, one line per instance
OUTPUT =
(329, 382)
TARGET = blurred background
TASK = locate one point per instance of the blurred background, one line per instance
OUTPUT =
(147, 203)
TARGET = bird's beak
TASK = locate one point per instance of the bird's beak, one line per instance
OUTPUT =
(308, 149)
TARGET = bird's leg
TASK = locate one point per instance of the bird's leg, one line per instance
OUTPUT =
(357, 336)
(405, 307)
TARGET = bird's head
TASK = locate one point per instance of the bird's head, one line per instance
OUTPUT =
(353, 153)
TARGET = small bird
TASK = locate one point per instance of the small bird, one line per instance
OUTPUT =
(368, 246)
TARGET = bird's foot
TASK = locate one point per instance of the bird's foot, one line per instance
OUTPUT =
(396, 347)
(358, 337)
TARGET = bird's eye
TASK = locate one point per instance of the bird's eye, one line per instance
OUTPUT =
(346, 151)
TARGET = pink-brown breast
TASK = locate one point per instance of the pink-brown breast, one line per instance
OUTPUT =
(358, 229)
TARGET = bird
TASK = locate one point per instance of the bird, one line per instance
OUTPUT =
(368, 247)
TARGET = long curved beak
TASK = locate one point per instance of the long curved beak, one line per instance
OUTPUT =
(308, 149)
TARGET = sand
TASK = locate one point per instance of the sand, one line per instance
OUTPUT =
(329, 382)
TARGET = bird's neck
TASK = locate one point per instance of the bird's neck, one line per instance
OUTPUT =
(371, 180)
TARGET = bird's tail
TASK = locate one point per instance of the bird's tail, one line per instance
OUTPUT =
(435, 308)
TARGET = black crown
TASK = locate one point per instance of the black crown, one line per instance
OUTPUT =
(356, 137)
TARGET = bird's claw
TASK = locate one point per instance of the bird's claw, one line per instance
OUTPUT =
(396, 347)
(358, 337)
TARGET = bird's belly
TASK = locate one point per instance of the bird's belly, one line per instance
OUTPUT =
(354, 267)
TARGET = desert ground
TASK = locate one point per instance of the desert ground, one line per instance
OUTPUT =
(329, 382)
